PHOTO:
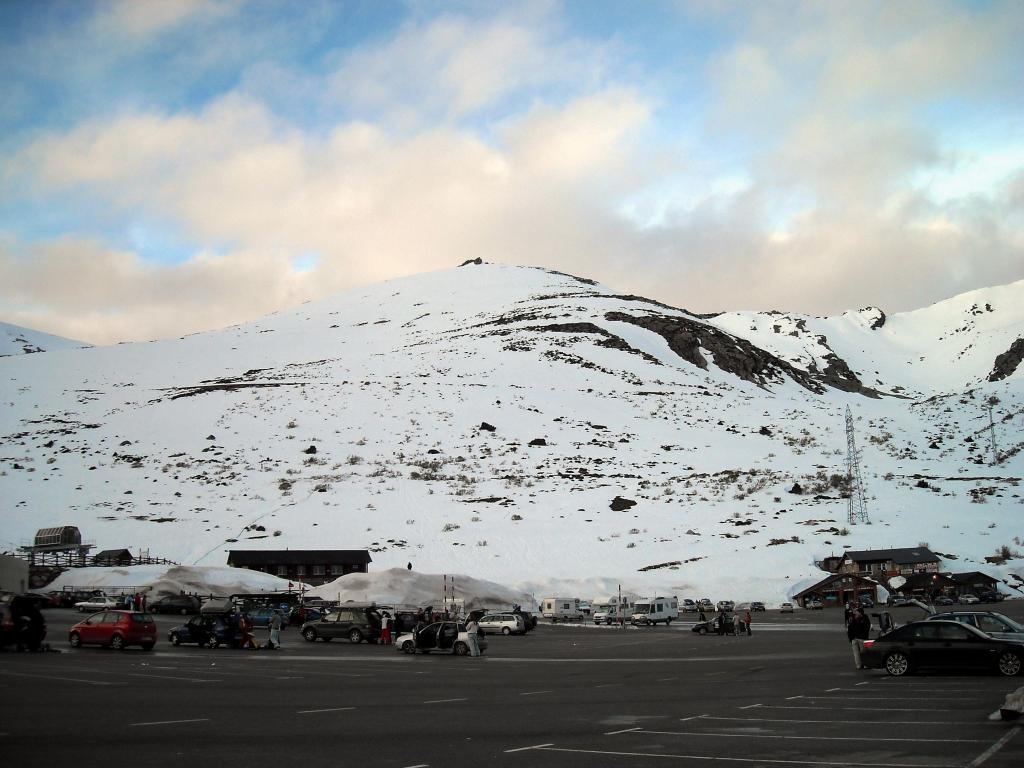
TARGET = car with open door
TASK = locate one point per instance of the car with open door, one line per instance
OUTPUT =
(439, 637)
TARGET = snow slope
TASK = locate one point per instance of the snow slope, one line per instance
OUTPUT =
(358, 421)
(15, 340)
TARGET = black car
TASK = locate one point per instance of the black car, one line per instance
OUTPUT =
(722, 624)
(757, 605)
(355, 623)
(209, 631)
(183, 604)
(939, 644)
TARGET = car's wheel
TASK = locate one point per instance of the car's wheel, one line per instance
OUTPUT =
(702, 631)
(75, 639)
(408, 647)
(897, 664)
(184, 611)
(461, 649)
(212, 643)
(147, 646)
(355, 636)
(81, 610)
(174, 639)
(117, 643)
(506, 631)
(1009, 663)
(309, 633)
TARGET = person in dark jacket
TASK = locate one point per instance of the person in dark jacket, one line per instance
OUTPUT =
(857, 631)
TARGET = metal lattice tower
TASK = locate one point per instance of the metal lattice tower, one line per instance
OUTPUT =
(857, 507)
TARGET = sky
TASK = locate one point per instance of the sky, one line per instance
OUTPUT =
(172, 166)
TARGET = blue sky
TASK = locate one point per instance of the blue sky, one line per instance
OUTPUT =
(181, 165)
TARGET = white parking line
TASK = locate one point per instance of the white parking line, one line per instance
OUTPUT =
(171, 722)
(844, 721)
(879, 698)
(624, 730)
(163, 677)
(524, 749)
(330, 709)
(419, 765)
(534, 693)
(758, 760)
(984, 756)
(864, 709)
(55, 677)
(752, 706)
(442, 701)
(809, 738)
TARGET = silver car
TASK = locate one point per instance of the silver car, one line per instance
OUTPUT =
(441, 636)
(506, 623)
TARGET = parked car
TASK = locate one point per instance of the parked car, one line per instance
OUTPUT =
(441, 636)
(969, 599)
(183, 604)
(757, 605)
(352, 621)
(898, 601)
(260, 617)
(300, 614)
(706, 604)
(938, 644)
(989, 596)
(991, 623)
(209, 631)
(505, 623)
(722, 624)
(117, 629)
(943, 600)
(726, 605)
(97, 603)
(814, 604)
(786, 608)
(688, 606)
(866, 603)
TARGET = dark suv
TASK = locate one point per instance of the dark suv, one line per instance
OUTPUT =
(351, 621)
(183, 604)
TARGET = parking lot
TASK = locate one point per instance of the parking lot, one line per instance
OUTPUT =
(787, 695)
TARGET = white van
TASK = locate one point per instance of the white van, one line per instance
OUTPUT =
(651, 610)
(561, 609)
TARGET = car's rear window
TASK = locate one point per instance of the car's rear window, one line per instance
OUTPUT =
(141, 618)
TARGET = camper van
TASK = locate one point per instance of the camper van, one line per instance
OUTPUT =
(651, 610)
(607, 609)
(561, 609)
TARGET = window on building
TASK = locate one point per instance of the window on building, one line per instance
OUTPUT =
(338, 570)
(318, 570)
(300, 570)
(282, 570)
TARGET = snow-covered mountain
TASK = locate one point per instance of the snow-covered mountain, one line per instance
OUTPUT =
(15, 340)
(523, 425)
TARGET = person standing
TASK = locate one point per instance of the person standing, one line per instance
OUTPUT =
(746, 622)
(858, 630)
(473, 631)
(274, 643)
(385, 629)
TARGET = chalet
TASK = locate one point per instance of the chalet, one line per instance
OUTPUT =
(839, 589)
(312, 566)
(974, 582)
(111, 557)
(927, 585)
(885, 563)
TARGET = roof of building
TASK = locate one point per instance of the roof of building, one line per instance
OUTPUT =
(298, 556)
(924, 581)
(111, 554)
(963, 578)
(905, 555)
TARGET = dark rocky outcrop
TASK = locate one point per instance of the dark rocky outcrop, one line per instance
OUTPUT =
(538, 441)
(620, 504)
(608, 339)
(485, 427)
(1007, 363)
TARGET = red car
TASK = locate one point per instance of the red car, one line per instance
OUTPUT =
(117, 629)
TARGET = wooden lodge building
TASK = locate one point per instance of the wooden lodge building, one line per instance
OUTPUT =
(312, 566)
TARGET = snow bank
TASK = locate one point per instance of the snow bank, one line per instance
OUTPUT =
(399, 586)
(164, 580)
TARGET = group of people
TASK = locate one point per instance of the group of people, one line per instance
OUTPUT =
(728, 624)
(136, 602)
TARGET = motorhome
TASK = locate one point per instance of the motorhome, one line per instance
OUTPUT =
(652, 610)
(561, 609)
(608, 610)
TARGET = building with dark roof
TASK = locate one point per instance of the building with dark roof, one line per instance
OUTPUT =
(838, 589)
(312, 566)
(111, 557)
(889, 562)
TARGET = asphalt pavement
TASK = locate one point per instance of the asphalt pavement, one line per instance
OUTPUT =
(561, 696)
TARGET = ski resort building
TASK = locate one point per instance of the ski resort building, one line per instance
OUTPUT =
(312, 566)
(889, 562)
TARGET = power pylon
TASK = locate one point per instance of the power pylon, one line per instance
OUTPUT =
(857, 507)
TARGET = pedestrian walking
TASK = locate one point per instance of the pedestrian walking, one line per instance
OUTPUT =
(274, 642)
(473, 631)
(858, 630)
(746, 622)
